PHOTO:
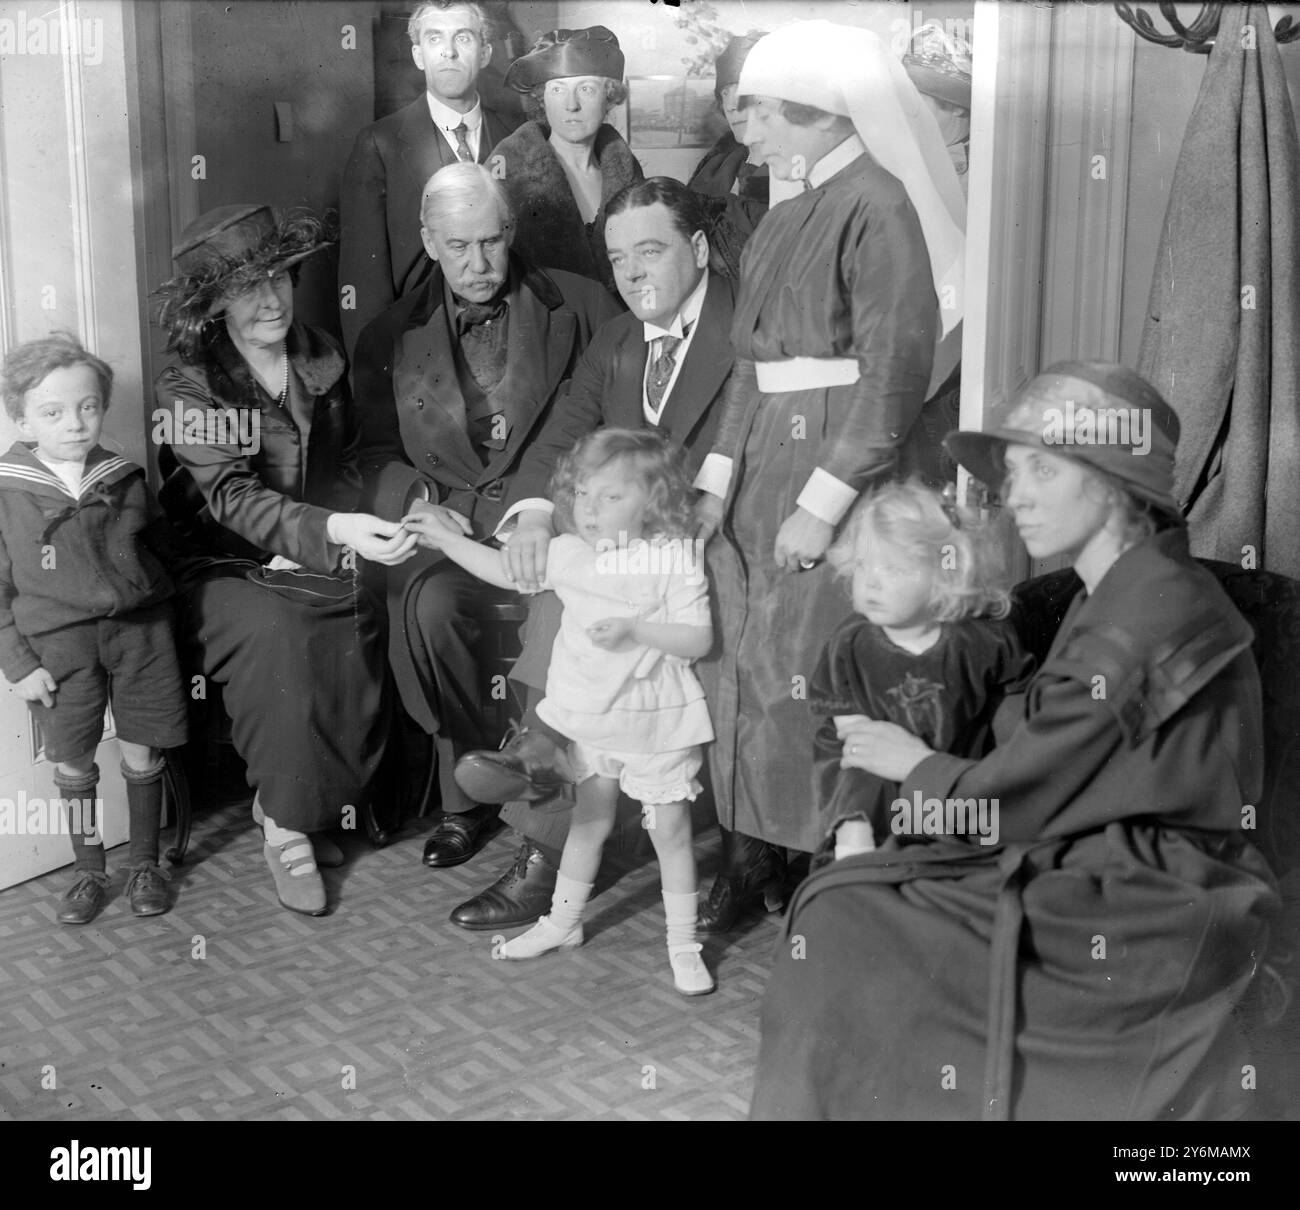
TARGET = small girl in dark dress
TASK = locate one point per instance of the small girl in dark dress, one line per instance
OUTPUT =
(927, 647)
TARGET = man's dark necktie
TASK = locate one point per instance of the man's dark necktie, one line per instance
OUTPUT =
(462, 144)
(661, 369)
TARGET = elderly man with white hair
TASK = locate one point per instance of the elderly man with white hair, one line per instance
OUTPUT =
(452, 383)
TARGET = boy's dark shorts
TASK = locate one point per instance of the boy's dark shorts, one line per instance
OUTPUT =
(129, 660)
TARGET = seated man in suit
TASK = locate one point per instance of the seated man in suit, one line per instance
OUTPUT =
(666, 362)
(380, 255)
(452, 384)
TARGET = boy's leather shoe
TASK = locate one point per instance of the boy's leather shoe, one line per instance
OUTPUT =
(529, 767)
(147, 890)
(83, 900)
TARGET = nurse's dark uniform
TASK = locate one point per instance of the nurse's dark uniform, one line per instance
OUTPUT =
(834, 333)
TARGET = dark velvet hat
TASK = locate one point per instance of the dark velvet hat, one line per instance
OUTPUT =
(726, 69)
(593, 51)
(230, 249)
(1095, 412)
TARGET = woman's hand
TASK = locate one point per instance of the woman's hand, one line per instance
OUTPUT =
(803, 540)
(372, 538)
(884, 749)
(38, 686)
(613, 634)
(708, 516)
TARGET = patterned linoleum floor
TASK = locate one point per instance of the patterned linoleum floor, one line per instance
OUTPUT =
(380, 1010)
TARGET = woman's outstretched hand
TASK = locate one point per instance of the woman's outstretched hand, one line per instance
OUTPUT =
(884, 749)
(372, 538)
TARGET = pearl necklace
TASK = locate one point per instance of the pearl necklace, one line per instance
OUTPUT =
(284, 381)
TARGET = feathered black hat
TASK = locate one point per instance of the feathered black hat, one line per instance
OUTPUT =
(227, 251)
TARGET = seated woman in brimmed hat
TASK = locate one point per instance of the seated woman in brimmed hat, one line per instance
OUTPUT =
(562, 167)
(1088, 963)
(261, 479)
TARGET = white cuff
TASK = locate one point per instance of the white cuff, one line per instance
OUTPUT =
(534, 502)
(419, 490)
(714, 475)
(826, 497)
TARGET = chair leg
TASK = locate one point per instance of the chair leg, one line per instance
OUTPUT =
(176, 798)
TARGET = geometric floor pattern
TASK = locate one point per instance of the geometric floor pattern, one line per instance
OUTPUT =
(231, 1008)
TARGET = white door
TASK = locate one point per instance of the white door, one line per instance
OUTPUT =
(64, 140)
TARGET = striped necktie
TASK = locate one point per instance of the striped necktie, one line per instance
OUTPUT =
(462, 144)
(661, 369)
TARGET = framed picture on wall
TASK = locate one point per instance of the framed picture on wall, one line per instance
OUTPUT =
(672, 111)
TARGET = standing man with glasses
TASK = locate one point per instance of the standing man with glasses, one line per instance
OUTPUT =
(380, 254)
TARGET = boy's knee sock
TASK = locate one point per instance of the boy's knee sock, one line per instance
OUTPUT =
(567, 902)
(83, 817)
(144, 791)
(681, 911)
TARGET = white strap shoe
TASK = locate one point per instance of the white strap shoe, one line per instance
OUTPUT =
(542, 938)
(690, 976)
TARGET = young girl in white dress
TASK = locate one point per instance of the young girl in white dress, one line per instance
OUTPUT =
(620, 685)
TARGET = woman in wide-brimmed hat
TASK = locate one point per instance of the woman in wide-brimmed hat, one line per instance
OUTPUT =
(562, 167)
(1083, 956)
(259, 454)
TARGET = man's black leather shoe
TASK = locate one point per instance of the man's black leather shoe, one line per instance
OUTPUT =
(520, 896)
(456, 838)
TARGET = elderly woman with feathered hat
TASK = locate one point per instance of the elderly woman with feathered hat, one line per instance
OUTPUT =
(262, 483)
(562, 167)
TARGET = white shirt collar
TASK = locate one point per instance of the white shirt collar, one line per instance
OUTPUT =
(446, 118)
(838, 157)
(687, 313)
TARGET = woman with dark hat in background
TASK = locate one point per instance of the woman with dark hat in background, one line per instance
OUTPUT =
(1087, 963)
(562, 167)
(261, 481)
(728, 173)
(941, 70)
(844, 291)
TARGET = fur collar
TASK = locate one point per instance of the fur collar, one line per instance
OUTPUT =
(550, 231)
(314, 356)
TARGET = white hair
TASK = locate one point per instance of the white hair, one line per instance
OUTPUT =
(455, 187)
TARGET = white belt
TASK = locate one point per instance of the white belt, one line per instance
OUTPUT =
(805, 374)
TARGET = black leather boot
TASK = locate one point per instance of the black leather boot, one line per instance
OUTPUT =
(753, 874)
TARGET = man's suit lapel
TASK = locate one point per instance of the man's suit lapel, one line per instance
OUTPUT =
(424, 374)
(423, 148)
(708, 362)
(625, 404)
(494, 130)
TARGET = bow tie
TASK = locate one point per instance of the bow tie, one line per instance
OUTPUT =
(472, 314)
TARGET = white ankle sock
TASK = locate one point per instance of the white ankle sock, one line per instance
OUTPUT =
(567, 903)
(681, 911)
